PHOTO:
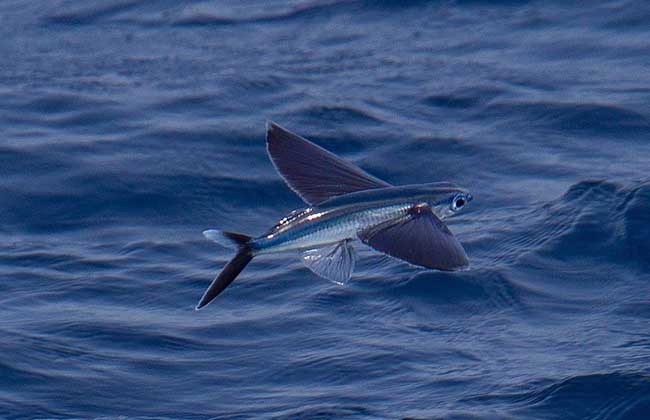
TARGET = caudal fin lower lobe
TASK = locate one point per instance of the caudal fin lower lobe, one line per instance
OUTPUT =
(231, 270)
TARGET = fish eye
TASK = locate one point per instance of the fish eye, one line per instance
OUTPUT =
(458, 203)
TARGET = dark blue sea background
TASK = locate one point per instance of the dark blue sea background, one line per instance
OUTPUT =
(128, 127)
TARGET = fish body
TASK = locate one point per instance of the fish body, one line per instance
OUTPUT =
(346, 204)
(343, 217)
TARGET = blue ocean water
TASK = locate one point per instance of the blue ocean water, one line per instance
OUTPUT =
(128, 127)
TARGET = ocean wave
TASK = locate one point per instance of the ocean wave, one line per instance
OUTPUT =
(302, 10)
(91, 13)
(339, 114)
(326, 411)
(128, 127)
(610, 395)
(575, 118)
(465, 292)
(610, 221)
(593, 219)
(188, 14)
(465, 98)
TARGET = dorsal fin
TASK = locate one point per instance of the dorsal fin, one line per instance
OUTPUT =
(311, 171)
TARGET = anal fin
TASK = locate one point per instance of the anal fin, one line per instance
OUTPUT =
(335, 262)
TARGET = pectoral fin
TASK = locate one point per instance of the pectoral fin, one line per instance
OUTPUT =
(334, 262)
(419, 238)
(311, 171)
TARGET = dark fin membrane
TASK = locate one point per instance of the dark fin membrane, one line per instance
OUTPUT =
(238, 238)
(232, 269)
(420, 238)
(311, 171)
(226, 239)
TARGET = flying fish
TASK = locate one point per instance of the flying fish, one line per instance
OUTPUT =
(346, 204)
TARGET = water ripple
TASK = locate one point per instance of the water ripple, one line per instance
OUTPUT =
(128, 127)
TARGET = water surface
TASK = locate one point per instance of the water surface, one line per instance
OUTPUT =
(128, 127)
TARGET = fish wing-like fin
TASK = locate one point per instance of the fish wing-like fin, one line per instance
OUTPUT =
(335, 262)
(419, 238)
(311, 171)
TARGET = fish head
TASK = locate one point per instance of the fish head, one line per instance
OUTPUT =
(447, 199)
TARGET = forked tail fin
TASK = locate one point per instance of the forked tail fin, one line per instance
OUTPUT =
(231, 270)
